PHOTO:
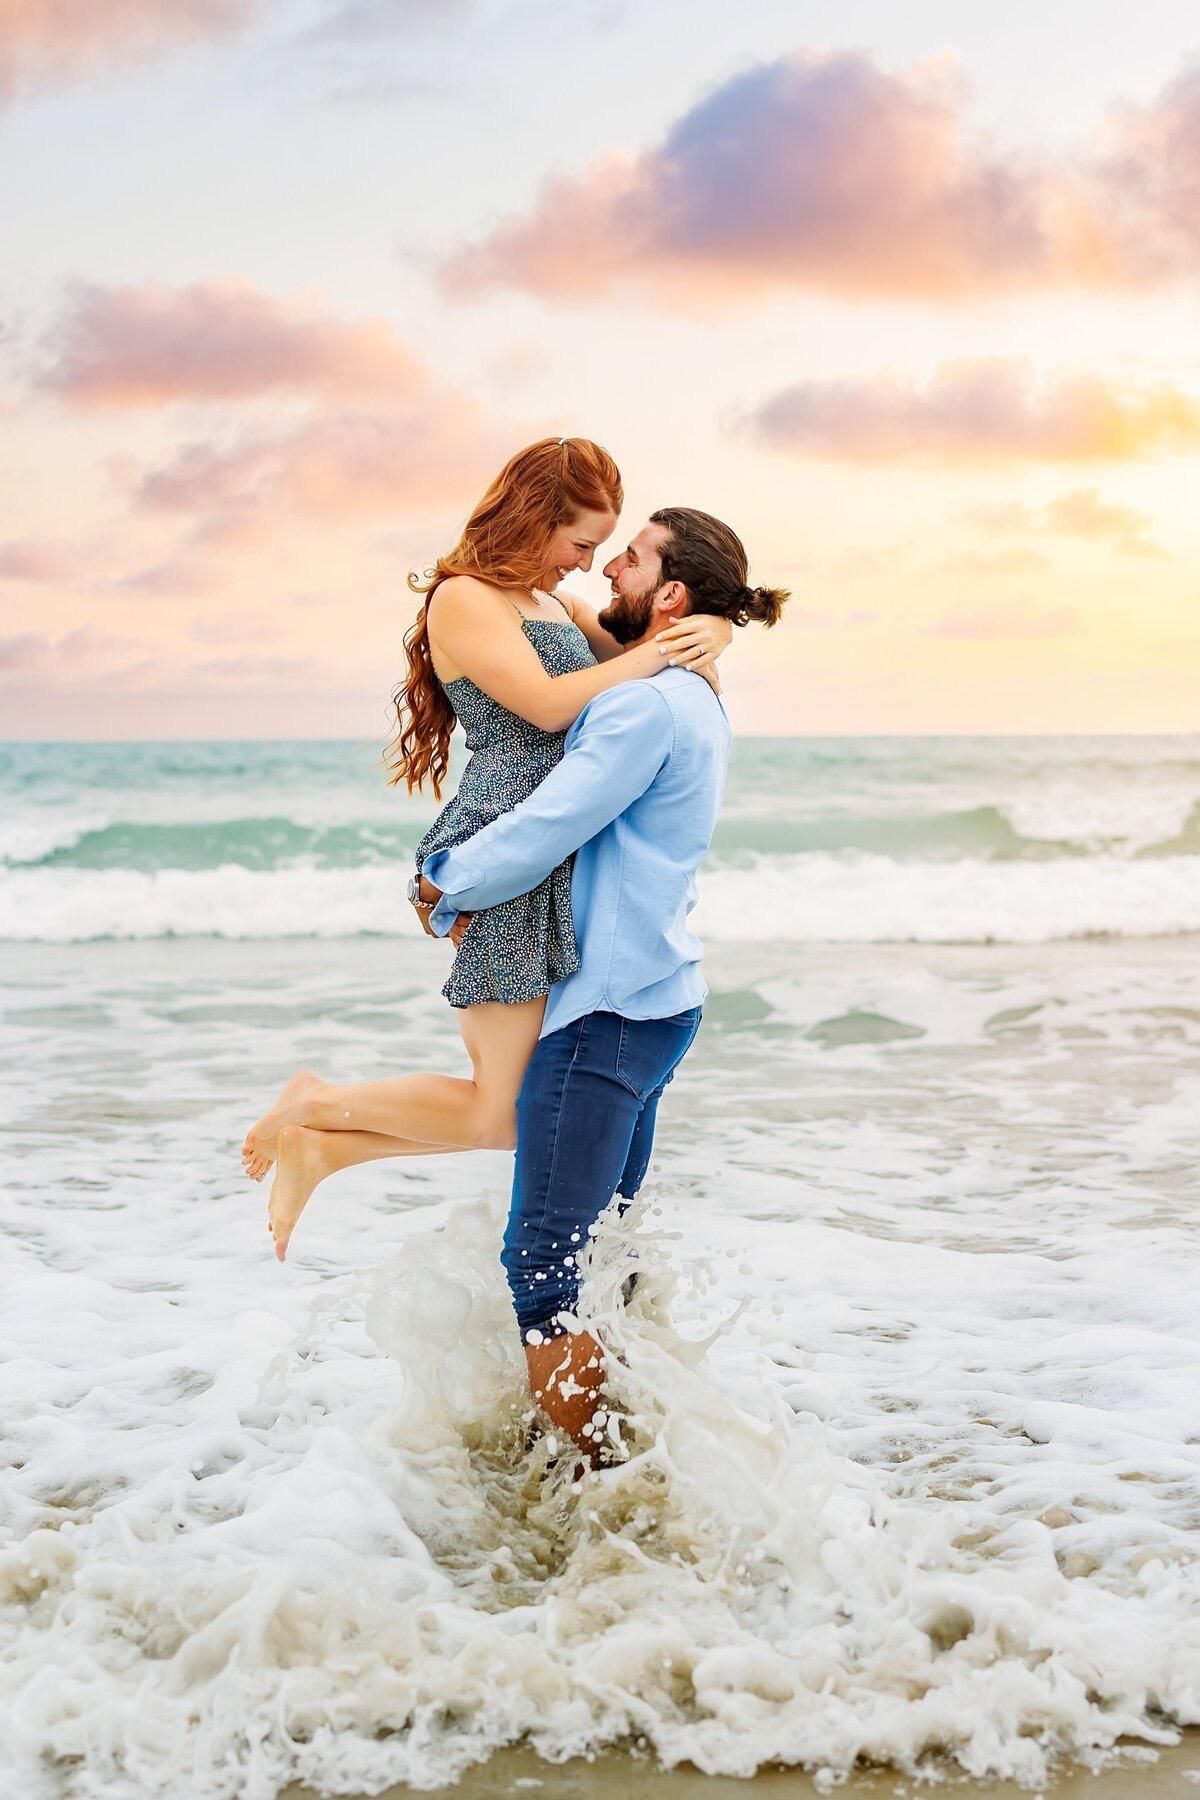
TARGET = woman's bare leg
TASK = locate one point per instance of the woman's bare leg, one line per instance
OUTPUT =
(307, 1157)
(475, 1114)
(258, 1151)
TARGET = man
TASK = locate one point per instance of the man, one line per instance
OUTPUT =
(636, 796)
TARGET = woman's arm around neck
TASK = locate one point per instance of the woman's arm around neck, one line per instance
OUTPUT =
(475, 631)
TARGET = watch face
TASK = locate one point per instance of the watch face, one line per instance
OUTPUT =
(414, 890)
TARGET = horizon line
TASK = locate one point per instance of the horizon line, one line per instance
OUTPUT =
(739, 737)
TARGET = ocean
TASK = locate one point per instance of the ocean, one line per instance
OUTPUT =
(906, 1404)
(928, 840)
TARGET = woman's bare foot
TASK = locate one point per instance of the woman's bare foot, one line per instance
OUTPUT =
(258, 1151)
(302, 1162)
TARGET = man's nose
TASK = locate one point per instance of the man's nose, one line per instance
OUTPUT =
(611, 569)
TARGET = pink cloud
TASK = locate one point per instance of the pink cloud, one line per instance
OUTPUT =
(381, 437)
(1082, 513)
(20, 652)
(1002, 517)
(1145, 173)
(987, 410)
(87, 661)
(242, 626)
(346, 465)
(47, 42)
(1079, 513)
(255, 670)
(1022, 618)
(33, 559)
(83, 653)
(356, 22)
(165, 580)
(828, 173)
(150, 345)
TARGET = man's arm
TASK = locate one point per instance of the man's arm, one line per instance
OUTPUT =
(612, 756)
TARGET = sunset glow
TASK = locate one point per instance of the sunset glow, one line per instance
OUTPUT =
(909, 301)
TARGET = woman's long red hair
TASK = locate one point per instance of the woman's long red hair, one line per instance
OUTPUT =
(504, 541)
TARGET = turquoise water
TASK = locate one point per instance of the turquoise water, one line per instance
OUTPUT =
(930, 839)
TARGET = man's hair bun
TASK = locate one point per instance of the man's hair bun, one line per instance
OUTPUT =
(763, 605)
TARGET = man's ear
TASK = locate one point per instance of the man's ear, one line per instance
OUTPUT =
(671, 601)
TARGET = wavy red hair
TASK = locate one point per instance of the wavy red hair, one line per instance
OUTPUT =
(505, 541)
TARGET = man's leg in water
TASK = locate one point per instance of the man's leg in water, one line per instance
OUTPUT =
(636, 1164)
(577, 1116)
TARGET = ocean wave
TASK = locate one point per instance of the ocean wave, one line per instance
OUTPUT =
(148, 845)
(978, 831)
(295, 837)
(855, 897)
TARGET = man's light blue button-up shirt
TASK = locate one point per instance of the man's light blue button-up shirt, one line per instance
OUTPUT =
(636, 795)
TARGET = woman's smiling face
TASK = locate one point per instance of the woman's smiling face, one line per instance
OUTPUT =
(574, 545)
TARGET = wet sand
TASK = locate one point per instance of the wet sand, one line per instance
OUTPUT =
(517, 1773)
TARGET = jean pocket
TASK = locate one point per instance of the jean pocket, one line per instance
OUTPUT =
(649, 1050)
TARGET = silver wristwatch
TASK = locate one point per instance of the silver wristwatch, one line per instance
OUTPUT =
(422, 908)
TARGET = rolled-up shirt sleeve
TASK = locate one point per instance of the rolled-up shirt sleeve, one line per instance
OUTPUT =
(614, 751)
(443, 916)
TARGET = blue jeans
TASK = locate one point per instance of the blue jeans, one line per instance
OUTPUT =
(585, 1130)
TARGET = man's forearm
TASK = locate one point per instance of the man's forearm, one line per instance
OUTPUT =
(515, 863)
(603, 772)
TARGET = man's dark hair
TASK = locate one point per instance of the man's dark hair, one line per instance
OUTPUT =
(710, 560)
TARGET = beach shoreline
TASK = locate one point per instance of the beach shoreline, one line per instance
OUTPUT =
(517, 1771)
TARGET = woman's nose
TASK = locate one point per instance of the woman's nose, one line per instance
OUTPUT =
(585, 561)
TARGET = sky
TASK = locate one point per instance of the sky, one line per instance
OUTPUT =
(906, 294)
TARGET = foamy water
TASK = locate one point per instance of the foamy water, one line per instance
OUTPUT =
(883, 840)
(906, 1401)
(797, 899)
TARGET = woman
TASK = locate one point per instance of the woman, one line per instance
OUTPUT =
(497, 650)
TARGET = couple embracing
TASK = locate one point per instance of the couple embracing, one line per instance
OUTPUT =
(563, 872)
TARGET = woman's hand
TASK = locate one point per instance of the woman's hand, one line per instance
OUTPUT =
(431, 895)
(458, 930)
(695, 641)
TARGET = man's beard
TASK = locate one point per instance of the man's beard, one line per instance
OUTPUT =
(627, 618)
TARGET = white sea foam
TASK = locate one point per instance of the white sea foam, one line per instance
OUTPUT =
(342, 1537)
(934, 1480)
(26, 836)
(855, 897)
(1132, 818)
(860, 898)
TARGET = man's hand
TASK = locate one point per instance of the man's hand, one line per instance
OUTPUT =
(428, 893)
